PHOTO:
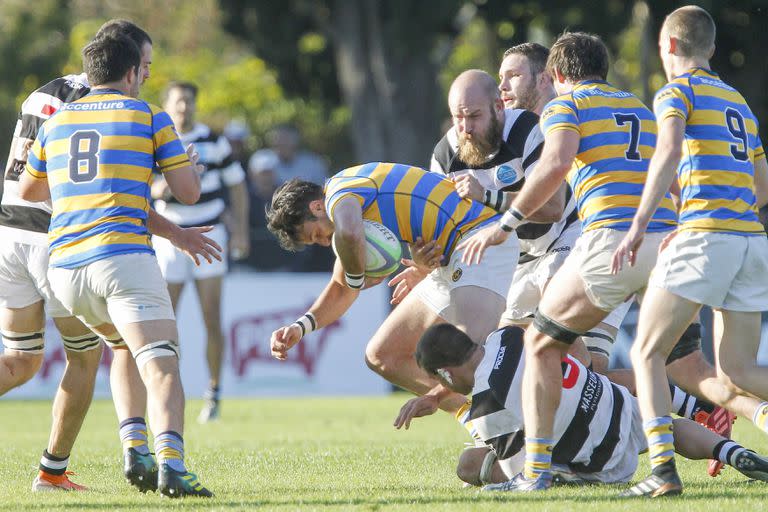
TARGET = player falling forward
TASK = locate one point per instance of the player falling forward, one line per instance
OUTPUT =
(708, 139)
(472, 298)
(598, 432)
(94, 159)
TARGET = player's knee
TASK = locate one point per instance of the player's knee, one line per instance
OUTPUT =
(78, 345)
(156, 350)
(20, 366)
(548, 333)
(468, 468)
(378, 359)
(733, 375)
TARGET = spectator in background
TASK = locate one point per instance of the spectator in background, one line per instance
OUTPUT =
(269, 168)
(223, 194)
(237, 134)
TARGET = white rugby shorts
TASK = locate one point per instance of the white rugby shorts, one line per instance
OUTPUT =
(494, 273)
(24, 280)
(591, 259)
(119, 290)
(720, 270)
(178, 268)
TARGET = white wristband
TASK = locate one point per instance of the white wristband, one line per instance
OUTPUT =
(307, 323)
(511, 219)
(354, 281)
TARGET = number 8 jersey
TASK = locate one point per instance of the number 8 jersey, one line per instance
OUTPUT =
(721, 145)
(98, 154)
(617, 138)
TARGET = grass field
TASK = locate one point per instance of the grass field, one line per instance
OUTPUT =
(320, 454)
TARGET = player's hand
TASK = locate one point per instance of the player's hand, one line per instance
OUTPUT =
(283, 339)
(627, 249)
(667, 240)
(193, 243)
(239, 245)
(468, 187)
(416, 408)
(474, 247)
(405, 281)
(194, 157)
(426, 255)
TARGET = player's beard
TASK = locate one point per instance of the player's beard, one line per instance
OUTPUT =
(529, 99)
(475, 151)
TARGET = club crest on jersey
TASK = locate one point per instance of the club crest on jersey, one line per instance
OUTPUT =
(506, 174)
(456, 275)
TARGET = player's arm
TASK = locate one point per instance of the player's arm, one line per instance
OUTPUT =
(33, 183)
(178, 166)
(184, 183)
(191, 241)
(560, 148)
(240, 243)
(761, 181)
(332, 303)
(349, 238)
(661, 175)
(551, 211)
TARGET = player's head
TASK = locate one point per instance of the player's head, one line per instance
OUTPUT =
(141, 38)
(523, 78)
(687, 33)
(180, 101)
(478, 115)
(446, 353)
(113, 60)
(297, 215)
(575, 57)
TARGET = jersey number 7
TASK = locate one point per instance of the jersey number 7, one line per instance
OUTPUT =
(634, 134)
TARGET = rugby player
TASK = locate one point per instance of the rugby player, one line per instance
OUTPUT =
(223, 194)
(472, 298)
(600, 138)
(102, 266)
(598, 431)
(708, 140)
(25, 290)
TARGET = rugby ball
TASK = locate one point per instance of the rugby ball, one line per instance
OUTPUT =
(382, 250)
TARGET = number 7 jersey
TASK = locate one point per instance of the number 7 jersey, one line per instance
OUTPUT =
(721, 144)
(98, 154)
(617, 138)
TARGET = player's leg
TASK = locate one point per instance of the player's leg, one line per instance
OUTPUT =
(696, 442)
(662, 321)
(23, 331)
(478, 466)
(209, 293)
(736, 352)
(70, 405)
(564, 314)
(390, 351)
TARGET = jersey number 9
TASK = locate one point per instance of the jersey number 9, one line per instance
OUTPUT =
(735, 123)
(84, 156)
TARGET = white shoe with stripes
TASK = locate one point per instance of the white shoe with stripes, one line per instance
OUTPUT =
(655, 486)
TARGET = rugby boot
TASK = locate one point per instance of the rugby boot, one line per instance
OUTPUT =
(140, 470)
(176, 484)
(752, 465)
(521, 484)
(48, 482)
(720, 421)
(210, 411)
(656, 486)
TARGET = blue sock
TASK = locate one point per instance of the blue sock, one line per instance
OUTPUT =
(169, 449)
(133, 434)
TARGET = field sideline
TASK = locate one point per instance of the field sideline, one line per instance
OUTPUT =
(319, 454)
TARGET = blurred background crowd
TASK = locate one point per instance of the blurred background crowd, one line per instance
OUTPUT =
(308, 87)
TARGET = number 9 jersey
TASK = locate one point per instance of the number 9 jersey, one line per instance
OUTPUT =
(98, 154)
(721, 145)
(617, 138)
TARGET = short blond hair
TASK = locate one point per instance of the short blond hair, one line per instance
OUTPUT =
(694, 30)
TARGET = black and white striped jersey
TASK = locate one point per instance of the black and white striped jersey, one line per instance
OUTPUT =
(506, 171)
(221, 170)
(593, 424)
(25, 221)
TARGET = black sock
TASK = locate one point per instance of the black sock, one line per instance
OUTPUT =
(53, 465)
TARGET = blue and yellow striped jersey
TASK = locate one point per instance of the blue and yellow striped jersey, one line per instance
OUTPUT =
(410, 201)
(618, 136)
(716, 171)
(98, 154)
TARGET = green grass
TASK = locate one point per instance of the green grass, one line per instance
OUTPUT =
(320, 454)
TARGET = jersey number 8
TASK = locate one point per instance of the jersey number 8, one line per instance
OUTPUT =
(84, 156)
